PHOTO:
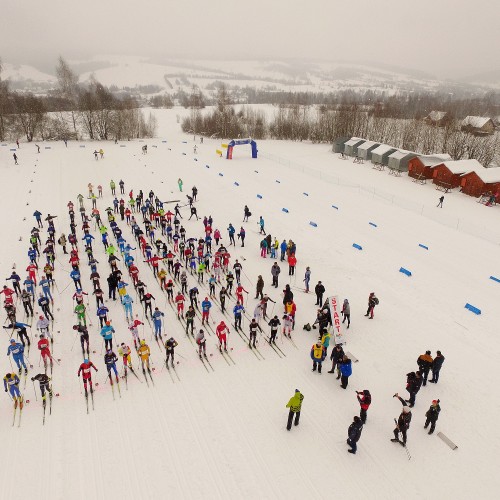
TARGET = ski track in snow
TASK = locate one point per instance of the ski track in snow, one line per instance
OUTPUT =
(222, 434)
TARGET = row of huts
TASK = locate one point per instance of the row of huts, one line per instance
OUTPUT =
(469, 175)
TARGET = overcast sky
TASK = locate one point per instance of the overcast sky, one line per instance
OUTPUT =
(443, 37)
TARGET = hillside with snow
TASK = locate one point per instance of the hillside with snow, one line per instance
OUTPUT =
(172, 75)
(221, 433)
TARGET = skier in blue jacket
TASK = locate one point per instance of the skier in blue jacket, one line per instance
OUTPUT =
(38, 216)
(107, 334)
(127, 302)
(17, 351)
(75, 276)
(45, 284)
(15, 278)
(238, 310)
(156, 316)
(11, 384)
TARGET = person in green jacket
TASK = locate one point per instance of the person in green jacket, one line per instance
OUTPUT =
(112, 185)
(179, 182)
(80, 314)
(295, 404)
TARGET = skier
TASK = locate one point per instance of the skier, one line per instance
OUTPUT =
(432, 415)
(221, 331)
(372, 302)
(274, 323)
(17, 351)
(345, 371)
(127, 302)
(179, 300)
(253, 326)
(43, 347)
(346, 313)
(81, 314)
(170, 346)
(205, 308)
(403, 422)
(436, 367)
(325, 339)
(239, 293)
(364, 399)
(21, 332)
(107, 334)
(122, 187)
(319, 290)
(44, 381)
(201, 341)
(147, 298)
(110, 360)
(238, 310)
(295, 405)
(84, 337)
(424, 362)
(144, 353)
(38, 217)
(440, 203)
(318, 354)
(86, 371)
(241, 236)
(354, 433)
(11, 384)
(44, 304)
(156, 317)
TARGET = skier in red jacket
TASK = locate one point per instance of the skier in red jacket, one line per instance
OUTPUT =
(86, 371)
(221, 332)
(43, 347)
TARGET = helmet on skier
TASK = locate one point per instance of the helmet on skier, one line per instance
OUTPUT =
(41, 336)
(8, 375)
(143, 342)
(85, 361)
(12, 341)
(108, 350)
(108, 323)
(41, 317)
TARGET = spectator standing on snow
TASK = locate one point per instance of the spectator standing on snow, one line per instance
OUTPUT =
(353, 434)
(295, 406)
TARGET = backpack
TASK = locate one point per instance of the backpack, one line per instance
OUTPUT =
(375, 300)
(249, 214)
(307, 327)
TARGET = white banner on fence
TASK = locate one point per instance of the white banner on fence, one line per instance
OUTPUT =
(335, 309)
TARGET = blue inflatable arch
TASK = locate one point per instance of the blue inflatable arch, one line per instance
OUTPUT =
(240, 142)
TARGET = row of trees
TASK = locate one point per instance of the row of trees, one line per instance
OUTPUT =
(324, 125)
(71, 111)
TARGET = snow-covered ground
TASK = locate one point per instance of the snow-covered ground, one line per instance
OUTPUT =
(222, 434)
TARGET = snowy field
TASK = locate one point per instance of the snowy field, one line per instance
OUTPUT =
(222, 434)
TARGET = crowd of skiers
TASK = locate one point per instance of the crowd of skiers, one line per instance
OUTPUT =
(193, 256)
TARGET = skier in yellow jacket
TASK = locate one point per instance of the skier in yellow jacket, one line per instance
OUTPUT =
(144, 354)
(295, 404)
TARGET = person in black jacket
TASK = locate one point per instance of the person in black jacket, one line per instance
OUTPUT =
(432, 415)
(354, 433)
(424, 362)
(413, 384)
(336, 356)
(436, 367)
(112, 284)
(372, 302)
(322, 319)
(403, 422)
(287, 295)
(274, 324)
(319, 290)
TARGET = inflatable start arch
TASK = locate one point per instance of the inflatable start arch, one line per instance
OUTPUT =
(239, 142)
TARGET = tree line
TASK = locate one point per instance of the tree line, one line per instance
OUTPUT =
(324, 124)
(73, 110)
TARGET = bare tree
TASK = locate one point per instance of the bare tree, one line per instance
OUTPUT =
(68, 86)
(30, 112)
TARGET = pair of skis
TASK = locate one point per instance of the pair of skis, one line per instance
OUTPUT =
(21, 404)
(204, 359)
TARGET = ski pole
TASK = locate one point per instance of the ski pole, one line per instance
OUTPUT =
(34, 389)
